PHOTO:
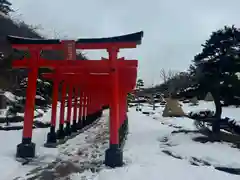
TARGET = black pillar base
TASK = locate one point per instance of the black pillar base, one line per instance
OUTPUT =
(60, 133)
(74, 126)
(68, 129)
(26, 149)
(89, 119)
(114, 156)
(100, 113)
(79, 124)
(93, 117)
(52, 136)
(84, 122)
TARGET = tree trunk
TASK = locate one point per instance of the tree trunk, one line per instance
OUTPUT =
(218, 110)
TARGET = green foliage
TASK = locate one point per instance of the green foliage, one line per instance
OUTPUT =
(140, 83)
(130, 97)
(217, 64)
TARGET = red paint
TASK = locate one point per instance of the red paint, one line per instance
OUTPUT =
(80, 115)
(54, 102)
(63, 101)
(85, 100)
(75, 104)
(95, 66)
(69, 49)
(114, 104)
(30, 94)
(89, 104)
(97, 82)
(94, 104)
(84, 106)
(69, 109)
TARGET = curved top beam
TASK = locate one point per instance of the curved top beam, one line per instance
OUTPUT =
(22, 40)
(128, 38)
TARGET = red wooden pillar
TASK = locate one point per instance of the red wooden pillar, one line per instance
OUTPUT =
(69, 109)
(74, 124)
(114, 155)
(61, 133)
(84, 117)
(80, 111)
(52, 136)
(114, 104)
(87, 99)
(27, 148)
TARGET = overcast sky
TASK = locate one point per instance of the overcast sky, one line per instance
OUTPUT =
(173, 29)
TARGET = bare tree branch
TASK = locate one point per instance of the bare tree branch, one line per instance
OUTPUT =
(163, 75)
(167, 75)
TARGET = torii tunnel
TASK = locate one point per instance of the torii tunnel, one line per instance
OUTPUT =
(87, 85)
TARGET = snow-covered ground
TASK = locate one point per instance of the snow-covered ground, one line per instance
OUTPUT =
(11, 168)
(155, 149)
(153, 152)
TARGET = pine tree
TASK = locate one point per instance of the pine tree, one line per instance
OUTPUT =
(219, 61)
(140, 84)
(216, 68)
(5, 6)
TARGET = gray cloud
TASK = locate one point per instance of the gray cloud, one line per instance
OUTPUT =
(174, 30)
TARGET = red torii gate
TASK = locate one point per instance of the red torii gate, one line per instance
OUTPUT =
(90, 81)
(113, 155)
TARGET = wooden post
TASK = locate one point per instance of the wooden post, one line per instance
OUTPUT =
(114, 155)
(52, 136)
(80, 112)
(69, 109)
(74, 124)
(61, 133)
(26, 149)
